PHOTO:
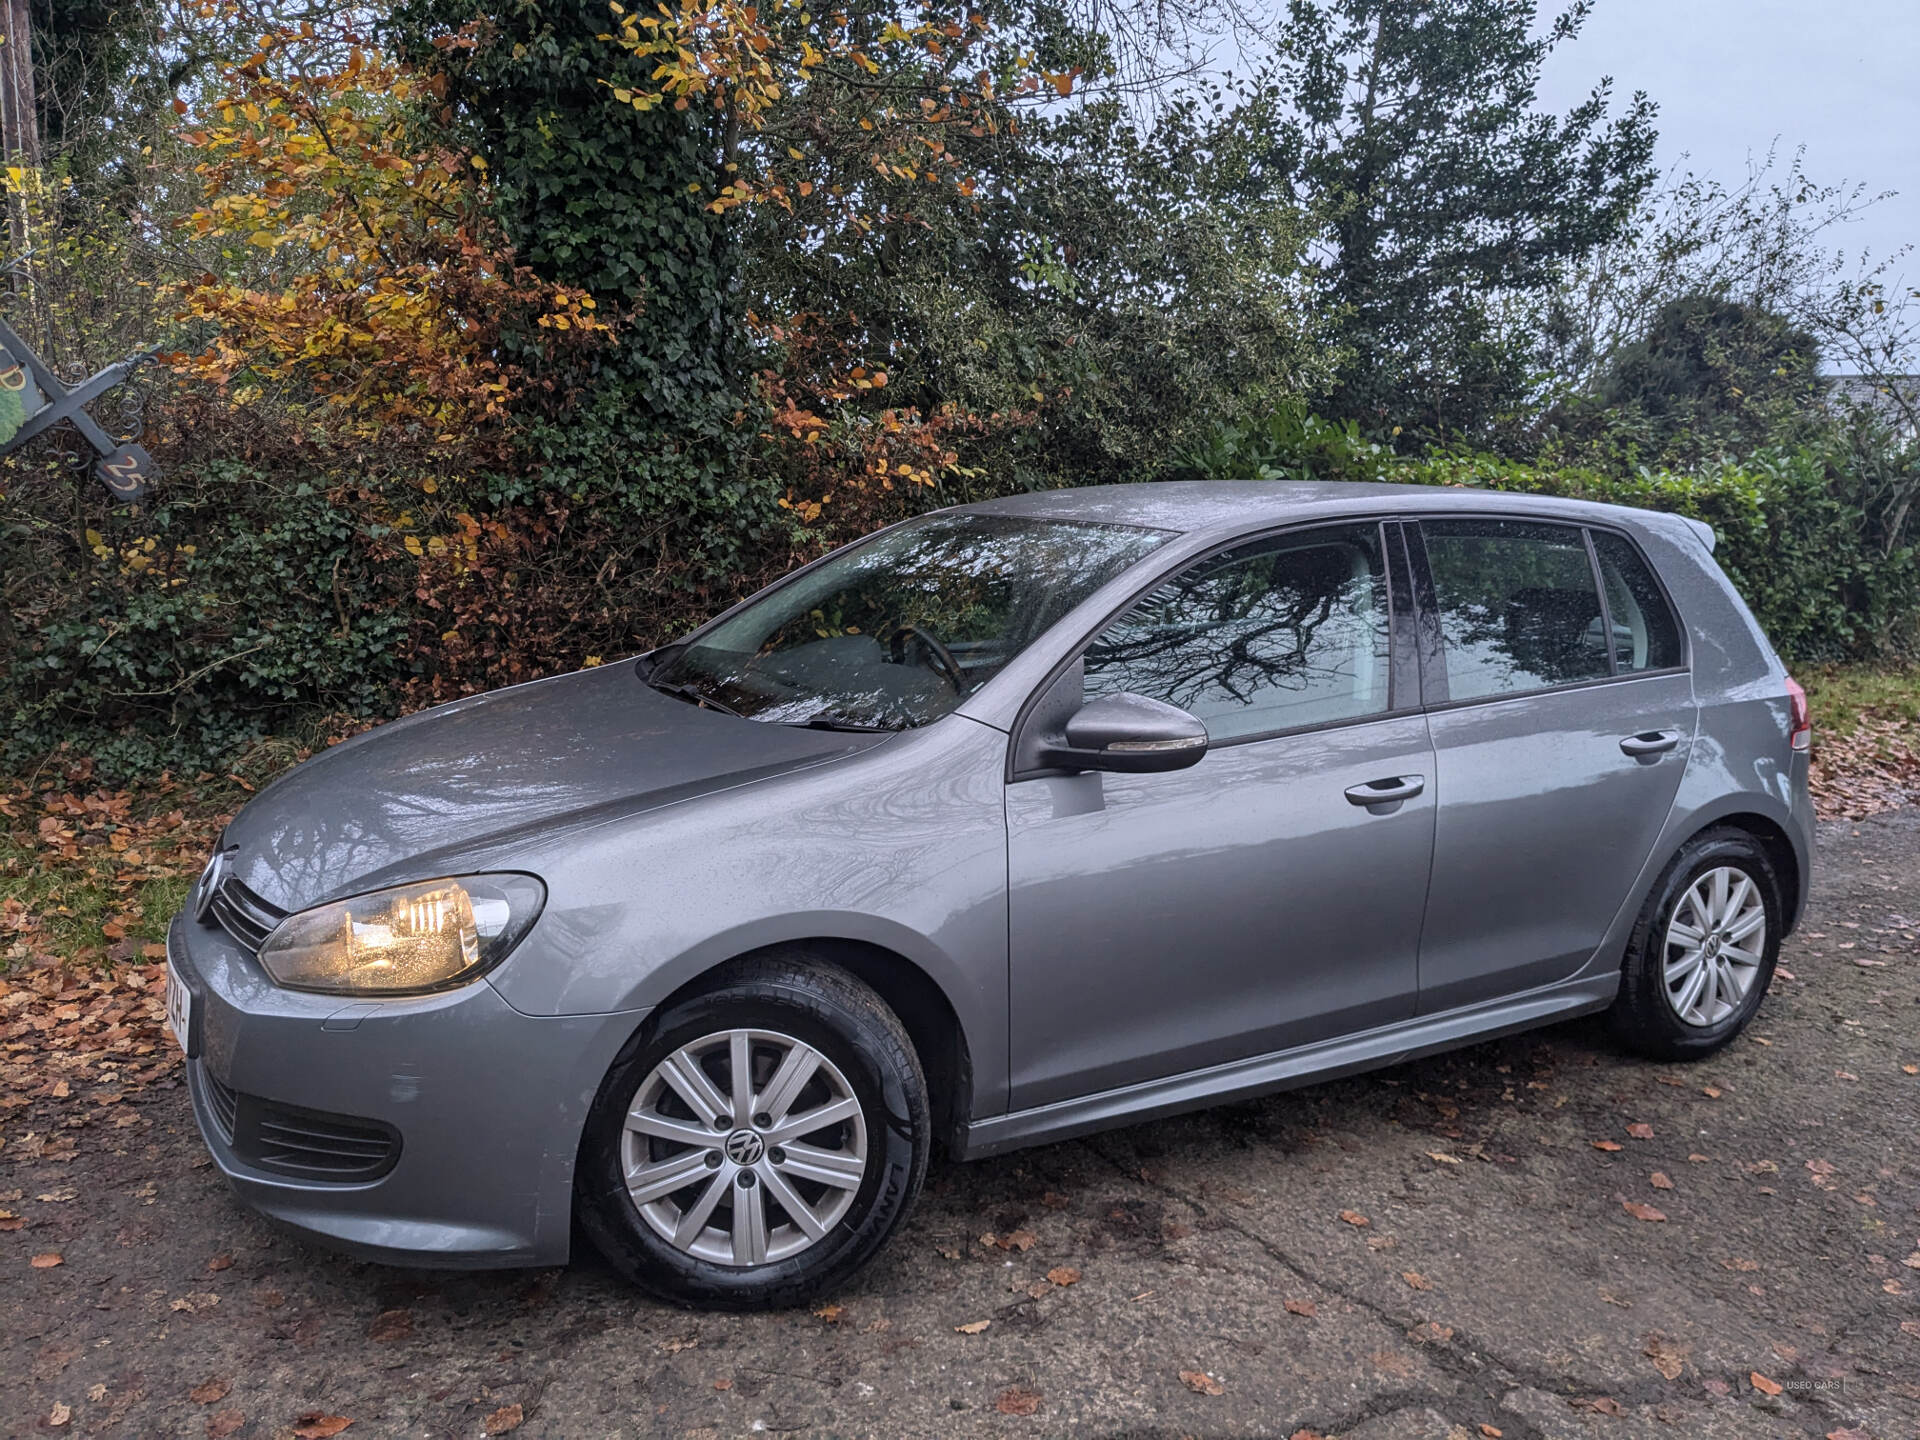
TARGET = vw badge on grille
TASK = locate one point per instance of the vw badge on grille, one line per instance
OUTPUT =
(210, 881)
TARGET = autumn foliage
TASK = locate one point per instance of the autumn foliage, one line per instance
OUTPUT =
(382, 288)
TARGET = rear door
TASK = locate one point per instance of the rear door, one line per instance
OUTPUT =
(1562, 712)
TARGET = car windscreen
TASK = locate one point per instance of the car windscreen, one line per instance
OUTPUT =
(897, 630)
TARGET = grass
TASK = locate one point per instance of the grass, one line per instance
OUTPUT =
(1842, 695)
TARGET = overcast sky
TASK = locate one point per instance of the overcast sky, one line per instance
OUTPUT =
(1841, 77)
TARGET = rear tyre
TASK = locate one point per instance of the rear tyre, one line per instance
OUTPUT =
(1702, 954)
(755, 1144)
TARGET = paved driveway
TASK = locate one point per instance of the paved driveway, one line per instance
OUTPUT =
(1439, 1250)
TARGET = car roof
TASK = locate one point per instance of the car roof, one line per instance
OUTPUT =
(1230, 506)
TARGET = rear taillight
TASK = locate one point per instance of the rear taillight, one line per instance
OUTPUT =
(1800, 728)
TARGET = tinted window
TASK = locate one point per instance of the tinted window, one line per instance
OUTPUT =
(897, 630)
(1518, 606)
(1645, 634)
(1271, 636)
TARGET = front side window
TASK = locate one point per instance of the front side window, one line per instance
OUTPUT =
(1271, 636)
(1518, 606)
(1646, 636)
(896, 631)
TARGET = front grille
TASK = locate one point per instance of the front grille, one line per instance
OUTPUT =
(222, 1101)
(317, 1144)
(241, 913)
(292, 1140)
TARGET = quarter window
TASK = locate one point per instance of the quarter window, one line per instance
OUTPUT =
(1276, 635)
(1645, 634)
(1518, 606)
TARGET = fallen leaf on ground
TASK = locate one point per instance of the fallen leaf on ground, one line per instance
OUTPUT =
(1492, 1432)
(1443, 1157)
(391, 1325)
(317, 1425)
(831, 1313)
(1431, 1332)
(1763, 1384)
(1354, 1217)
(1598, 1404)
(1017, 1400)
(1304, 1308)
(1416, 1279)
(210, 1390)
(1712, 1092)
(1641, 1212)
(47, 1261)
(223, 1423)
(1660, 1181)
(1850, 1433)
(1669, 1359)
(507, 1417)
(60, 1414)
(1606, 1144)
(1640, 1130)
(1021, 1240)
(973, 1327)
(723, 1384)
(1201, 1383)
(1063, 1275)
(220, 1262)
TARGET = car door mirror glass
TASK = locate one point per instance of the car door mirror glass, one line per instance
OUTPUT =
(1129, 733)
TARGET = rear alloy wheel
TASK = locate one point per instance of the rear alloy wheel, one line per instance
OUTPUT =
(1702, 954)
(757, 1143)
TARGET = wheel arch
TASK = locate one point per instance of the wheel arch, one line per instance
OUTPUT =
(931, 1021)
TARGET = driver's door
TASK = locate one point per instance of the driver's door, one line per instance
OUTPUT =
(1161, 923)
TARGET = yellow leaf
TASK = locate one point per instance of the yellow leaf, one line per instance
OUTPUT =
(975, 1328)
(413, 545)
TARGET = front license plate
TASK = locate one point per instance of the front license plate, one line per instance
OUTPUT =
(180, 1009)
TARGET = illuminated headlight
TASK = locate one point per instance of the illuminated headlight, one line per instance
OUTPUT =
(406, 940)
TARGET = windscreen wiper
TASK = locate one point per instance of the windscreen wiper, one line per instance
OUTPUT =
(834, 722)
(682, 691)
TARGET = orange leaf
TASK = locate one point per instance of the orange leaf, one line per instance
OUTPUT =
(1764, 1385)
(1306, 1309)
(1354, 1217)
(210, 1390)
(1641, 1212)
(1640, 1130)
(1063, 1275)
(1660, 1181)
(1606, 1144)
(1017, 1400)
(317, 1425)
(46, 1261)
(1201, 1383)
(507, 1417)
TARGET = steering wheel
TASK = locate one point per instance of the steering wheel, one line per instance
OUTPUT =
(945, 664)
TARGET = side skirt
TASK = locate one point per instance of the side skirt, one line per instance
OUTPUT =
(1290, 1069)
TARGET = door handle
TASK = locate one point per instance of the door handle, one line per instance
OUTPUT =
(1386, 792)
(1650, 743)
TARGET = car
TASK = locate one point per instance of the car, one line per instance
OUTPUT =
(1007, 823)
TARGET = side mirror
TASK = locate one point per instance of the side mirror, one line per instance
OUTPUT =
(1128, 733)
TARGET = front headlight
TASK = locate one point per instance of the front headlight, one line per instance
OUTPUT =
(407, 940)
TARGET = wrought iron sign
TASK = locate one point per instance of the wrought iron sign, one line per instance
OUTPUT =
(33, 400)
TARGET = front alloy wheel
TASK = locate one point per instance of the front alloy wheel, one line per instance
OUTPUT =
(756, 1143)
(744, 1146)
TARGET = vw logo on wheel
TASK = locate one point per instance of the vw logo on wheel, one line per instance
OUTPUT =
(745, 1148)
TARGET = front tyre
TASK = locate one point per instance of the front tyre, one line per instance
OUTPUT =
(1703, 952)
(755, 1144)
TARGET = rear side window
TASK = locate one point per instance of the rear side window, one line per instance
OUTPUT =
(1275, 635)
(1517, 604)
(1646, 636)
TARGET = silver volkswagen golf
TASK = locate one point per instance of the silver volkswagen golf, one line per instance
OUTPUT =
(1004, 824)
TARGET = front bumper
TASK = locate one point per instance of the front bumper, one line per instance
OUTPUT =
(483, 1106)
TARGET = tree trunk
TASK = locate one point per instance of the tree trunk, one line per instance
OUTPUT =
(19, 117)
